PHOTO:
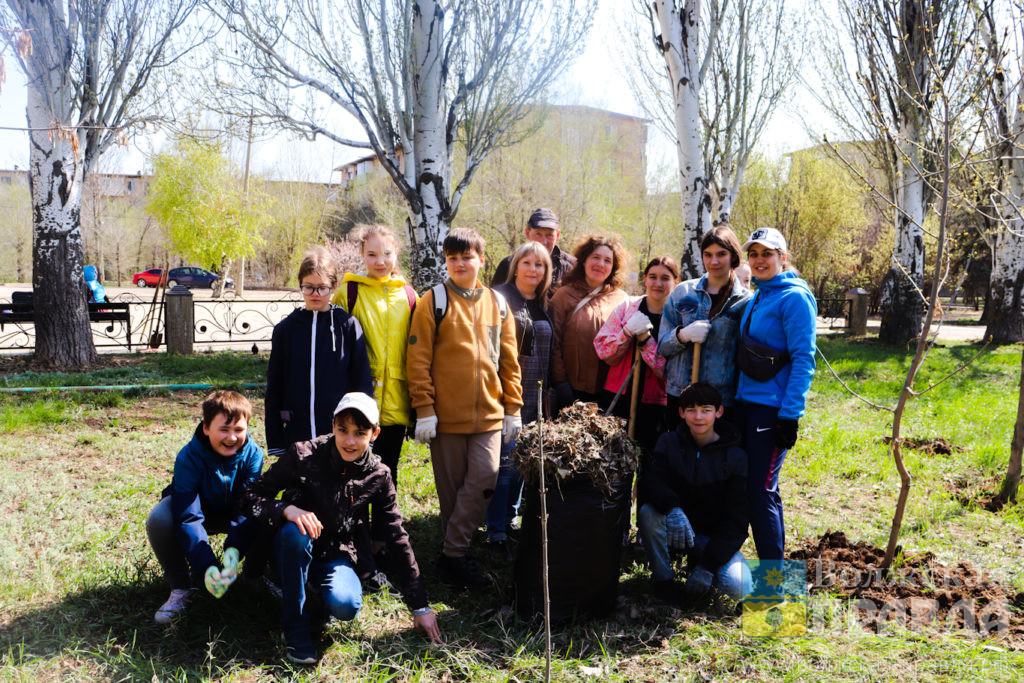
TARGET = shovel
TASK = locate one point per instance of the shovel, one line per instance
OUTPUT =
(695, 374)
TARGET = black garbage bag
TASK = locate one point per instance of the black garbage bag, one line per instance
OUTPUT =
(585, 528)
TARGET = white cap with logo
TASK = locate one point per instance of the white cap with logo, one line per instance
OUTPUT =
(769, 237)
(357, 400)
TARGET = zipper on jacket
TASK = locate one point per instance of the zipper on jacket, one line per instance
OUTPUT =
(312, 379)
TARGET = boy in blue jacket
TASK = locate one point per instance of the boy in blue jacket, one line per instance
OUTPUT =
(210, 474)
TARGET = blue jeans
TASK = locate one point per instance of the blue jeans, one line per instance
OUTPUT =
(337, 581)
(767, 525)
(732, 578)
(507, 491)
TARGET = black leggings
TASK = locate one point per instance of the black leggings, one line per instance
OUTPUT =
(389, 447)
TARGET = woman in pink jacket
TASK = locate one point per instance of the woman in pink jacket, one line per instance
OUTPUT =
(632, 323)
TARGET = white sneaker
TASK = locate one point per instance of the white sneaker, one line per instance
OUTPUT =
(175, 605)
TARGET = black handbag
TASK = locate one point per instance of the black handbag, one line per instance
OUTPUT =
(758, 361)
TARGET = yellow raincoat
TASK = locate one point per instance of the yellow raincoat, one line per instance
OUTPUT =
(382, 308)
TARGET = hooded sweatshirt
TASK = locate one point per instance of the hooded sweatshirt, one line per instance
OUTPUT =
(782, 315)
(208, 486)
(316, 357)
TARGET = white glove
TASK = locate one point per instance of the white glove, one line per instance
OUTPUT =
(695, 332)
(637, 324)
(426, 429)
(510, 427)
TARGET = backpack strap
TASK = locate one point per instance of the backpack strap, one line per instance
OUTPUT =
(410, 294)
(351, 295)
(440, 303)
(499, 298)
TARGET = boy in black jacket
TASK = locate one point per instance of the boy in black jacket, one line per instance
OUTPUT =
(329, 484)
(696, 491)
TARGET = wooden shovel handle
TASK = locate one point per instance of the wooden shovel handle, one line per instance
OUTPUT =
(695, 374)
(634, 398)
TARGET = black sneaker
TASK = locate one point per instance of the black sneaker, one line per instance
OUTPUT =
(460, 572)
(501, 550)
(298, 651)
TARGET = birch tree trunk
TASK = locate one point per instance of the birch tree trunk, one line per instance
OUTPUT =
(88, 64)
(63, 335)
(902, 301)
(1005, 310)
(420, 76)
(428, 218)
(679, 26)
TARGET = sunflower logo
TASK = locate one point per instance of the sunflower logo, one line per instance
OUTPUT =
(773, 577)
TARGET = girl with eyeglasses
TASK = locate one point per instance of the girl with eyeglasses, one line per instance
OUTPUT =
(317, 355)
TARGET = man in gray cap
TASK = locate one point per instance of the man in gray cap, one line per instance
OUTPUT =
(543, 228)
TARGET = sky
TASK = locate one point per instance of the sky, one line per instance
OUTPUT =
(595, 79)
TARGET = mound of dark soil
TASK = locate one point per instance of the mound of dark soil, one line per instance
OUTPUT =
(920, 592)
(936, 446)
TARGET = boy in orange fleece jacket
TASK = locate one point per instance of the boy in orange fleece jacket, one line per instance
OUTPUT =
(465, 384)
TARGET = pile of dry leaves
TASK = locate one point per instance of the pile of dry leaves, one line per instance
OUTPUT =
(581, 442)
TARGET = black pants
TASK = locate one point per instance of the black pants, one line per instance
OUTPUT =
(388, 447)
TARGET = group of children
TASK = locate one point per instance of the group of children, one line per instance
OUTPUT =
(362, 362)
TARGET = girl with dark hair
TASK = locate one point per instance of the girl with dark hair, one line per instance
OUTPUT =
(633, 323)
(587, 297)
(704, 311)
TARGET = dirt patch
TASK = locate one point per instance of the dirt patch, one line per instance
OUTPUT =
(976, 492)
(936, 446)
(921, 593)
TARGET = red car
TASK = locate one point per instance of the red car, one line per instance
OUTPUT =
(149, 278)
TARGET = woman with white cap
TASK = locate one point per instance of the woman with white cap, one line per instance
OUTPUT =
(776, 362)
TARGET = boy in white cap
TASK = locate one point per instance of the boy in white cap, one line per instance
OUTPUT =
(330, 482)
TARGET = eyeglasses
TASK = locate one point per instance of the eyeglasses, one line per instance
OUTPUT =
(309, 290)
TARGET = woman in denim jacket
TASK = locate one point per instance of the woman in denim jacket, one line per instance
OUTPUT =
(705, 311)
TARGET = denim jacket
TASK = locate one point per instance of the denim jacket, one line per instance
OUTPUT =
(690, 302)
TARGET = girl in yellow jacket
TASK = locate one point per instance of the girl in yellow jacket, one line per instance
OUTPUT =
(382, 302)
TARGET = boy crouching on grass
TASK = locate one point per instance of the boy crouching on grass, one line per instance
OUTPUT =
(695, 486)
(464, 380)
(329, 484)
(210, 474)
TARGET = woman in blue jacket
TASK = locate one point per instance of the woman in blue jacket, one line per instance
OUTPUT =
(776, 362)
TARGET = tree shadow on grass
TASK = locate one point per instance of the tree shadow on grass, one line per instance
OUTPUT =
(107, 630)
(112, 625)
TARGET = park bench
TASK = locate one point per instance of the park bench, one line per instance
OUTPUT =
(22, 310)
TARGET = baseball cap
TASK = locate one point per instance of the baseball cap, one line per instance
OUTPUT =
(357, 400)
(543, 218)
(769, 237)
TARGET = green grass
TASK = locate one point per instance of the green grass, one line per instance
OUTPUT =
(78, 584)
(223, 367)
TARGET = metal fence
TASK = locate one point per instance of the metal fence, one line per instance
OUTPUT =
(835, 312)
(234, 323)
(221, 323)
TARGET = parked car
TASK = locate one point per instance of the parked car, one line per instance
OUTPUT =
(190, 276)
(148, 278)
